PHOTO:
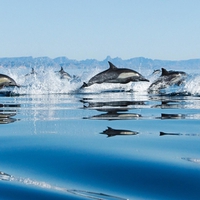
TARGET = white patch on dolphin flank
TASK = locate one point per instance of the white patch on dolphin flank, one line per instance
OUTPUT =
(130, 115)
(128, 133)
(4, 80)
(127, 75)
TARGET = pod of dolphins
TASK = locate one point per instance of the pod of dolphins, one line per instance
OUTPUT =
(115, 75)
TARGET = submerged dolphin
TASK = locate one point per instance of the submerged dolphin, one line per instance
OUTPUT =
(167, 79)
(6, 81)
(115, 75)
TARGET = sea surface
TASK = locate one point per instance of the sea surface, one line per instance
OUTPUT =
(108, 141)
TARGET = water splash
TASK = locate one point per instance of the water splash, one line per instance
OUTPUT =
(47, 81)
(193, 85)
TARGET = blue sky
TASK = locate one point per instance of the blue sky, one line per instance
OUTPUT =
(86, 29)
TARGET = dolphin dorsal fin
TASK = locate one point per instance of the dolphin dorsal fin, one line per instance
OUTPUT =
(109, 128)
(164, 72)
(112, 66)
(61, 70)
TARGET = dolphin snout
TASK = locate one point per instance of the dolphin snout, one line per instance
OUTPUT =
(144, 79)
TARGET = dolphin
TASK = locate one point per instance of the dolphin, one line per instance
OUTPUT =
(168, 78)
(163, 133)
(156, 71)
(6, 81)
(179, 134)
(113, 132)
(64, 74)
(115, 75)
(32, 72)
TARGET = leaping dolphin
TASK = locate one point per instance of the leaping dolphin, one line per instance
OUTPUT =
(64, 74)
(168, 78)
(115, 75)
(6, 81)
(32, 72)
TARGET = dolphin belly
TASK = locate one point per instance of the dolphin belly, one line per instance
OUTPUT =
(4, 80)
(127, 75)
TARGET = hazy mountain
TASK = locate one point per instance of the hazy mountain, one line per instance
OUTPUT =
(138, 62)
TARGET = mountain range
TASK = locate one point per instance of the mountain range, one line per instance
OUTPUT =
(129, 63)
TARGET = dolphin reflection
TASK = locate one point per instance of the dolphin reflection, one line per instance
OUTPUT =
(114, 110)
(110, 132)
(169, 104)
(172, 116)
(118, 104)
(115, 115)
(6, 115)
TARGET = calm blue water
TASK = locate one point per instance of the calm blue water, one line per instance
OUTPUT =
(56, 143)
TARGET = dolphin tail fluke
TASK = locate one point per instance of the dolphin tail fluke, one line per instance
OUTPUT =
(84, 85)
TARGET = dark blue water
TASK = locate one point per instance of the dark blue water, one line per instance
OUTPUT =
(59, 144)
(60, 147)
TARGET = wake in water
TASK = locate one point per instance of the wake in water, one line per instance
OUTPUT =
(49, 81)
(47, 186)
